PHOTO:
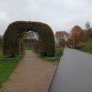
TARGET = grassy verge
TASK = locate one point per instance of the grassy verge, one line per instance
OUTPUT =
(28, 48)
(56, 58)
(86, 47)
(7, 65)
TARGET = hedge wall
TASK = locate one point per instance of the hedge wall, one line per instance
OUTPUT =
(14, 34)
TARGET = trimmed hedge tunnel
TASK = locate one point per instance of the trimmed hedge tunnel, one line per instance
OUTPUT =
(14, 34)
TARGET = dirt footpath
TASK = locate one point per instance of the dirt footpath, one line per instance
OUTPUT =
(32, 74)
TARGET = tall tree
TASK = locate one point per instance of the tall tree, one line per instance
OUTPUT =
(88, 31)
(1, 41)
(87, 25)
(77, 34)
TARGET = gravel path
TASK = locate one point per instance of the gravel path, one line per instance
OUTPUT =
(32, 74)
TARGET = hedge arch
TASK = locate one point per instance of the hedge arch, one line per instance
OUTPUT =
(14, 34)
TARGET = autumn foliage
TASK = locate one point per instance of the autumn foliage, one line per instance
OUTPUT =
(60, 37)
(76, 35)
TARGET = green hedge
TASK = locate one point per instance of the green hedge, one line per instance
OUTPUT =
(14, 34)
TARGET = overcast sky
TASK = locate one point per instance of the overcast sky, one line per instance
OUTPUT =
(59, 14)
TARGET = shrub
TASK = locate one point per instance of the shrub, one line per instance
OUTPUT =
(14, 34)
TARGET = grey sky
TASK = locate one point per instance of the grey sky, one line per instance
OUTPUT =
(59, 14)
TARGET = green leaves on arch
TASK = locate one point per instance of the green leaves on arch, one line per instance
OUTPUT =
(13, 36)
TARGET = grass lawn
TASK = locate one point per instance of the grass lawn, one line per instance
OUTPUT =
(7, 65)
(56, 58)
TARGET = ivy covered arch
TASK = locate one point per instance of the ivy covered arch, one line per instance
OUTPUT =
(14, 34)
